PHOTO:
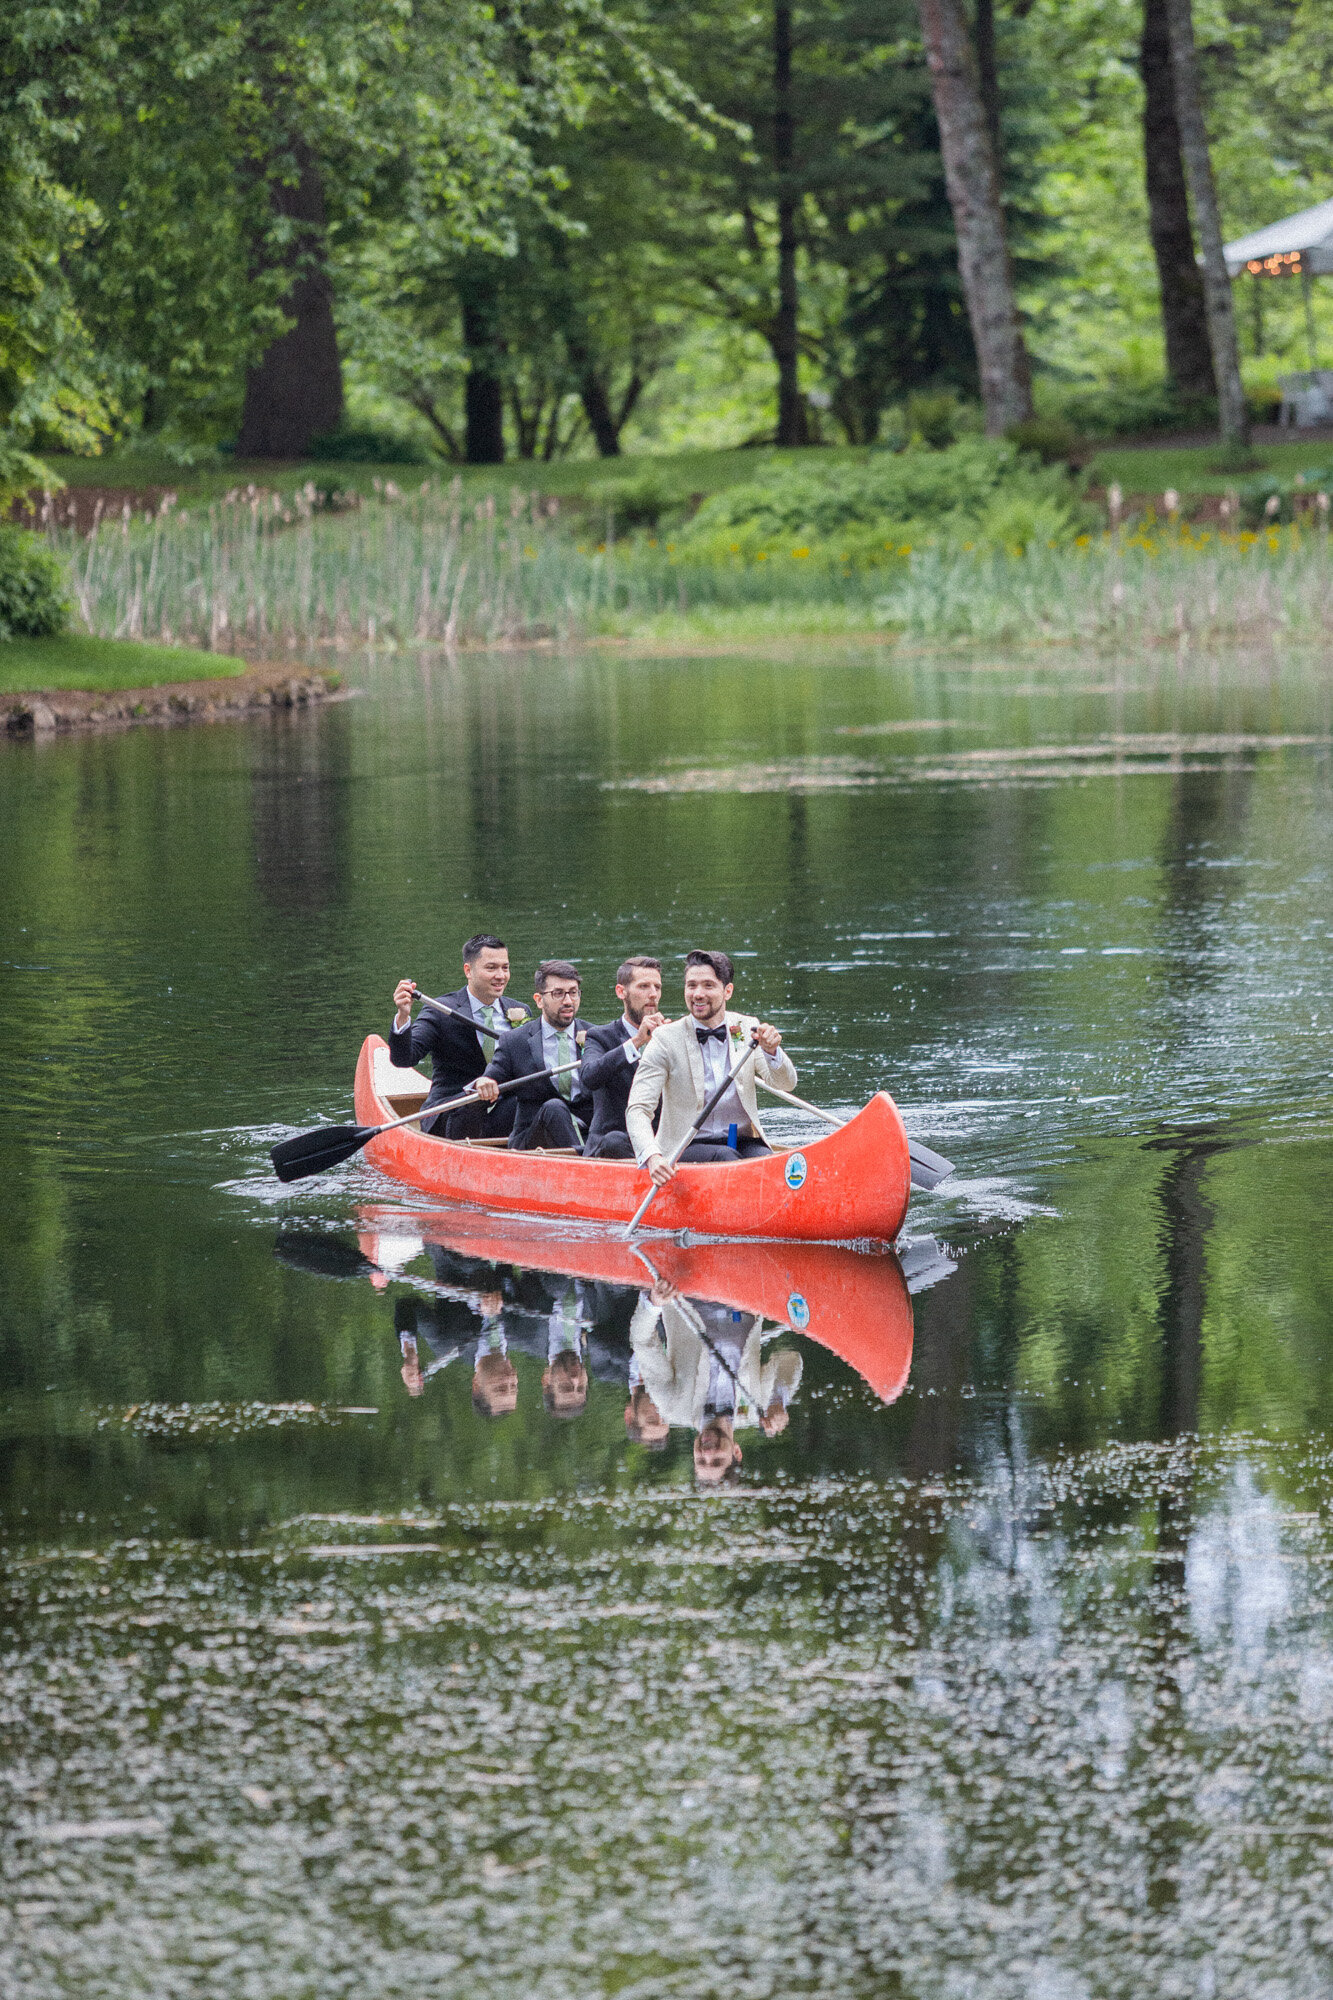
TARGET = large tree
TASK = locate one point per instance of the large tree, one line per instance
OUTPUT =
(50, 394)
(1199, 171)
(972, 171)
(1189, 360)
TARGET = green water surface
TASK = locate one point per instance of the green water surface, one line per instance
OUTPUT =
(1018, 1683)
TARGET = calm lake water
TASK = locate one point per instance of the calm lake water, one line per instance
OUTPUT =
(1003, 1670)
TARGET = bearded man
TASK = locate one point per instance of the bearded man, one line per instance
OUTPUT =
(684, 1064)
(611, 1052)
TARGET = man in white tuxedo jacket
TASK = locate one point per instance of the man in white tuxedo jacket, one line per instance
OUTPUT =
(683, 1065)
(704, 1369)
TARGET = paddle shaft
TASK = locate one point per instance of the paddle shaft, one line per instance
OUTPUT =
(927, 1167)
(694, 1130)
(470, 1097)
(457, 1014)
(696, 1320)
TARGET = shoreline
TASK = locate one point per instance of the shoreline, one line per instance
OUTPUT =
(44, 713)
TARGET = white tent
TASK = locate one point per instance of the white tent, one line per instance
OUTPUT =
(1298, 246)
(1301, 243)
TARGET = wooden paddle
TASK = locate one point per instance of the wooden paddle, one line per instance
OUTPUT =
(329, 1145)
(928, 1168)
(696, 1128)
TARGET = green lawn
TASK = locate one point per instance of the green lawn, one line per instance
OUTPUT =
(678, 476)
(29, 666)
(1149, 469)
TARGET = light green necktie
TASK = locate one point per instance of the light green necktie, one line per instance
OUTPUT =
(497, 1018)
(564, 1054)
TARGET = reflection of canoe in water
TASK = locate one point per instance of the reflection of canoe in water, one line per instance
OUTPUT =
(853, 1183)
(854, 1303)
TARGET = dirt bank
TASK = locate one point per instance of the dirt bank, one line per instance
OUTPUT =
(51, 713)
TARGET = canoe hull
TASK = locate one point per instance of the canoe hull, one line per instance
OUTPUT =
(852, 1184)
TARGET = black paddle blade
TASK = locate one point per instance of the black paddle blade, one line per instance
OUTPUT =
(315, 1152)
(927, 1168)
(321, 1256)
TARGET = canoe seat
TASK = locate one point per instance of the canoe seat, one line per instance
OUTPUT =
(403, 1089)
(547, 1152)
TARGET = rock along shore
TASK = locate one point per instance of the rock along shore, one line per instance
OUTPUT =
(60, 712)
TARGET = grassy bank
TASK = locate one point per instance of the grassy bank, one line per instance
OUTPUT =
(103, 666)
(432, 569)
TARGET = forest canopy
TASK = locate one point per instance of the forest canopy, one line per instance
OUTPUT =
(448, 228)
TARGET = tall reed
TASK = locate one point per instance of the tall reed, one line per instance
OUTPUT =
(259, 572)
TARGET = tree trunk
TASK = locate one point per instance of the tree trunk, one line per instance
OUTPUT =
(972, 176)
(294, 393)
(1189, 359)
(483, 386)
(592, 394)
(792, 427)
(988, 71)
(1203, 192)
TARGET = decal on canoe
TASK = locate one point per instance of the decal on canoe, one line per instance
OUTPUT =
(795, 1171)
(798, 1313)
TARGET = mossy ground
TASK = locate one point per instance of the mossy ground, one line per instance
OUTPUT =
(105, 665)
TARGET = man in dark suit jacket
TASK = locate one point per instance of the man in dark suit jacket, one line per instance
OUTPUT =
(548, 1106)
(611, 1053)
(459, 1053)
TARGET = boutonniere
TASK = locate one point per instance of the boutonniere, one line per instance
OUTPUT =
(515, 1014)
(737, 1030)
(581, 1037)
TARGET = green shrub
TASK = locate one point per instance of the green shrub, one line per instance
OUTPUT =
(886, 496)
(1129, 411)
(633, 502)
(1269, 501)
(33, 604)
(936, 417)
(1016, 522)
(369, 447)
(1053, 439)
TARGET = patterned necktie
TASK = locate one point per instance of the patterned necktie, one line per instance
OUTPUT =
(564, 1054)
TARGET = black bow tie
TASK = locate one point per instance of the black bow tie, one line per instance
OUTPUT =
(711, 1035)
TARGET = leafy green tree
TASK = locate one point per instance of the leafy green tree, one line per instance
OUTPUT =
(50, 395)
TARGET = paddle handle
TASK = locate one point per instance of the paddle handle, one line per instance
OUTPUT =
(471, 1097)
(697, 1127)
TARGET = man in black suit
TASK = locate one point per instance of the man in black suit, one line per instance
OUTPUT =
(459, 1053)
(548, 1106)
(611, 1053)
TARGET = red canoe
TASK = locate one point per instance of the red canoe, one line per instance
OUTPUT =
(852, 1302)
(852, 1184)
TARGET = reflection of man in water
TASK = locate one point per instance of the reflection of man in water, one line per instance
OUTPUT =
(702, 1365)
(565, 1377)
(644, 1423)
(444, 1328)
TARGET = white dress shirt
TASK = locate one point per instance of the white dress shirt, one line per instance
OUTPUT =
(720, 1060)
